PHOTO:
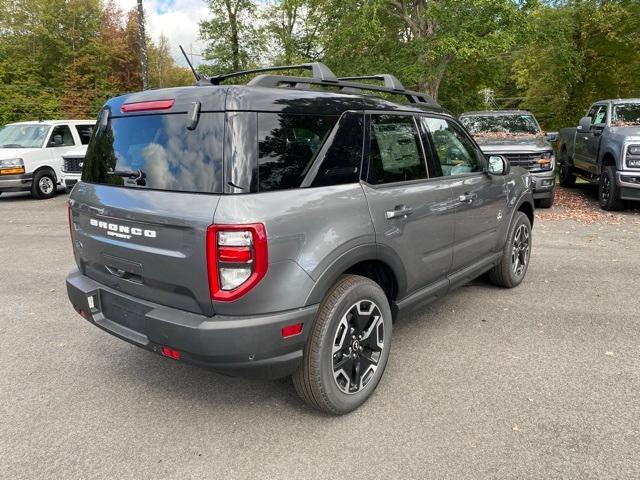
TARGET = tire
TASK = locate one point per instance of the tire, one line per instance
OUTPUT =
(567, 177)
(44, 185)
(343, 391)
(608, 190)
(507, 273)
(546, 202)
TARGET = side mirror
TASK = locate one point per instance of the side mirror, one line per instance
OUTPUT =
(551, 136)
(56, 141)
(498, 165)
(585, 124)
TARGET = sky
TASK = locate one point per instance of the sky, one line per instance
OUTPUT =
(177, 19)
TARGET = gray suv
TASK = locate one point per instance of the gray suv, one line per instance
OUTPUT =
(280, 227)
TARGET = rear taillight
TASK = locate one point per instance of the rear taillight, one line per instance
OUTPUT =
(236, 259)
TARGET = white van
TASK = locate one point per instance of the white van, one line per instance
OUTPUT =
(31, 154)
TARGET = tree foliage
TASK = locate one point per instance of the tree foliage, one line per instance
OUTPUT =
(64, 58)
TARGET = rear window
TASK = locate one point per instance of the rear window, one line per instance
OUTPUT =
(158, 152)
(287, 146)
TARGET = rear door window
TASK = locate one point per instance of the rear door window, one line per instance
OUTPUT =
(395, 150)
(287, 147)
(158, 152)
(84, 132)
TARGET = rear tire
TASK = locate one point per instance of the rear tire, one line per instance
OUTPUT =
(608, 190)
(546, 202)
(353, 317)
(44, 185)
(567, 177)
(513, 266)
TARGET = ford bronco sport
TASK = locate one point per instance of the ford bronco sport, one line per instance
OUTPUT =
(279, 227)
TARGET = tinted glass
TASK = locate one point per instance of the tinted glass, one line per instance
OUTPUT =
(287, 146)
(395, 152)
(456, 153)
(162, 149)
(626, 114)
(84, 132)
(516, 124)
(600, 115)
(343, 159)
(23, 136)
(61, 137)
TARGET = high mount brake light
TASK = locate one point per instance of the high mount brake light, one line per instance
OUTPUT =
(147, 106)
(236, 259)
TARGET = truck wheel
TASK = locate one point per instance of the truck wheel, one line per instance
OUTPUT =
(608, 190)
(567, 178)
(348, 347)
(515, 257)
(546, 202)
(44, 185)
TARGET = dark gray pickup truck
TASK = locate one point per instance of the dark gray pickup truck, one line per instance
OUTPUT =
(516, 135)
(605, 149)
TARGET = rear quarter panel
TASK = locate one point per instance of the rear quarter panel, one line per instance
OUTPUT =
(308, 229)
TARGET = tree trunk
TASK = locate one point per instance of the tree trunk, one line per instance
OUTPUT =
(235, 43)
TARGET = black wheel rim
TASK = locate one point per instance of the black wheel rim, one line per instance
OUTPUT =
(605, 188)
(357, 346)
(520, 250)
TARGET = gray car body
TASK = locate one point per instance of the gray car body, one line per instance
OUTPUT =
(516, 149)
(315, 235)
(603, 144)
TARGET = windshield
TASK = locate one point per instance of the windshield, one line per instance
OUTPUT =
(501, 125)
(23, 136)
(626, 114)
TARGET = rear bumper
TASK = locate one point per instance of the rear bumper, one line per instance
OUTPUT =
(239, 346)
(16, 183)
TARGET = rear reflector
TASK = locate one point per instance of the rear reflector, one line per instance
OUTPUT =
(147, 106)
(171, 353)
(291, 330)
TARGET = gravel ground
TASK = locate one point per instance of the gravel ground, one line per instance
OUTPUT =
(540, 381)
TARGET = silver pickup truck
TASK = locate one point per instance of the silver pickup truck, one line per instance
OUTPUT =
(605, 149)
(516, 135)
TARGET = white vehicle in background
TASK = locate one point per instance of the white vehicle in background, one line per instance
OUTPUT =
(31, 154)
(72, 163)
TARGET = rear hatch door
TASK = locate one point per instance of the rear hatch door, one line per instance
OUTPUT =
(149, 191)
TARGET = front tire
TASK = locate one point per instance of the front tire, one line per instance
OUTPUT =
(513, 266)
(44, 185)
(348, 347)
(608, 190)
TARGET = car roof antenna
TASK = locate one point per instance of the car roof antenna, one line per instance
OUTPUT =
(195, 74)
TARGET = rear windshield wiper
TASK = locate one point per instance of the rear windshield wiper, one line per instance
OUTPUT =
(134, 174)
(138, 176)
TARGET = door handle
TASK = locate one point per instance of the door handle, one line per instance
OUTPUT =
(467, 197)
(400, 211)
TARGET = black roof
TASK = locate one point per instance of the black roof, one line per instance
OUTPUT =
(322, 93)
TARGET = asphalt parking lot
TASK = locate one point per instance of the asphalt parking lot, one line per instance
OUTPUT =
(541, 381)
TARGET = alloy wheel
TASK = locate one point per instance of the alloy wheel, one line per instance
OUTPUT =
(520, 250)
(46, 185)
(357, 346)
(605, 188)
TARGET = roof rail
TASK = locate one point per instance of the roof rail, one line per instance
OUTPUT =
(275, 81)
(318, 70)
(390, 81)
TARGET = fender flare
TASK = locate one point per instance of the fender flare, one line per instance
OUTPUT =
(361, 253)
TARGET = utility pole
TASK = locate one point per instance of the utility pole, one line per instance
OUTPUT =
(142, 40)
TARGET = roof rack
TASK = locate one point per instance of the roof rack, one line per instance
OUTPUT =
(318, 70)
(322, 75)
(389, 80)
